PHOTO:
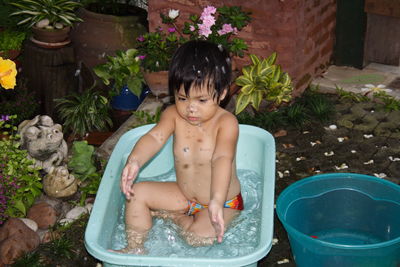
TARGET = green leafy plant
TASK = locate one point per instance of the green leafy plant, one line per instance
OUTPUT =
(11, 40)
(144, 117)
(61, 247)
(263, 80)
(156, 49)
(217, 25)
(220, 25)
(21, 101)
(56, 13)
(31, 259)
(82, 167)
(296, 115)
(84, 112)
(19, 181)
(319, 106)
(351, 96)
(122, 69)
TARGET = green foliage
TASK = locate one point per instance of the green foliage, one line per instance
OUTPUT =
(388, 102)
(297, 115)
(351, 96)
(31, 259)
(144, 117)
(311, 106)
(20, 101)
(61, 247)
(82, 167)
(19, 180)
(263, 80)
(84, 112)
(122, 69)
(156, 49)
(7, 21)
(56, 11)
(11, 40)
(318, 106)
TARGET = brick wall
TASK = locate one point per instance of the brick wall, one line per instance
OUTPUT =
(300, 31)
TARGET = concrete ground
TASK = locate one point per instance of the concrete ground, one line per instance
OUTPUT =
(352, 79)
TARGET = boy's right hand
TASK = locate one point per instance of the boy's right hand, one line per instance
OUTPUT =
(129, 174)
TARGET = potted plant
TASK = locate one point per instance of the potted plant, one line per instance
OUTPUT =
(218, 25)
(50, 20)
(263, 80)
(11, 43)
(122, 73)
(107, 26)
(83, 113)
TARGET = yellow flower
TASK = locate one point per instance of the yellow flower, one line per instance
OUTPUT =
(8, 72)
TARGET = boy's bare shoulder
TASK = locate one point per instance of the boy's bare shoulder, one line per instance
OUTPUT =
(227, 118)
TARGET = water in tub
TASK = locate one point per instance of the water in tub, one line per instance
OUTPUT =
(241, 238)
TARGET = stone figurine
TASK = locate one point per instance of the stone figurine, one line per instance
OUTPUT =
(43, 139)
(59, 183)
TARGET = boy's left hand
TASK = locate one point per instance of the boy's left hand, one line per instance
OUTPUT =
(216, 213)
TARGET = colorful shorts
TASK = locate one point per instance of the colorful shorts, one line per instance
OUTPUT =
(235, 203)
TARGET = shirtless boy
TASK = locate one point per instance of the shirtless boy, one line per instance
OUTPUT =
(206, 195)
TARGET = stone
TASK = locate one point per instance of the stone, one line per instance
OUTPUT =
(60, 183)
(30, 223)
(76, 212)
(16, 239)
(43, 139)
(43, 214)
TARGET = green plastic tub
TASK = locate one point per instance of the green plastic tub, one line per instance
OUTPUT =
(255, 151)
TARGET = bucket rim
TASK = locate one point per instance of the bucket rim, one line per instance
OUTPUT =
(345, 175)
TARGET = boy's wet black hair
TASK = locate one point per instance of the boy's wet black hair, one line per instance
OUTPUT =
(200, 63)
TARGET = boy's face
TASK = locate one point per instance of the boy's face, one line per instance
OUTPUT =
(199, 106)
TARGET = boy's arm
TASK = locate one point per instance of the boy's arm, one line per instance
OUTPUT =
(146, 147)
(222, 160)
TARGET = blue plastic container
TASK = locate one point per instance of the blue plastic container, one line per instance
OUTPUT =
(342, 219)
(127, 100)
(255, 151)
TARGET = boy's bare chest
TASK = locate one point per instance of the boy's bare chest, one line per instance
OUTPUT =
(194, 145)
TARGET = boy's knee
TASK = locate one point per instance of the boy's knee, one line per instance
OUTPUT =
(139, 191)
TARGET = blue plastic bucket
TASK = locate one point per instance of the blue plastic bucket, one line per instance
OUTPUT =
(342, 219)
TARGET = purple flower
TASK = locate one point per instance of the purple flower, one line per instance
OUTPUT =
(171, 30)
(140, 38)
(141, 57)
(4, 117)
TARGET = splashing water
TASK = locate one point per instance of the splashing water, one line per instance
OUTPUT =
(241, 237)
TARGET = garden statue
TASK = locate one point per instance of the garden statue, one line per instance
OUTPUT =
(59, 182)
(43, 139)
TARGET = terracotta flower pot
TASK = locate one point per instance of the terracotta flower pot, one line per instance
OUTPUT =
(51, 36)
(157, 82)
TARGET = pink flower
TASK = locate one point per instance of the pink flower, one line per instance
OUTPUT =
(208, 21)
(140, 38)
(208, 10)
(142, 57)
(192, 28)
(204, 30)
(226, 28)
(171, 30)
